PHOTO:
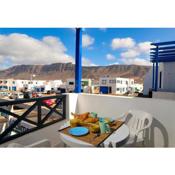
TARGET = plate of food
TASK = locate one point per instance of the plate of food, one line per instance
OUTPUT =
(78, 131)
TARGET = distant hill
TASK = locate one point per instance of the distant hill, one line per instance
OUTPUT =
(66, 70)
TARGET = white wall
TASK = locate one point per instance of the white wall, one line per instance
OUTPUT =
(168, 70)
(164, 95)
(163, 128)
(147, 82)
(71, 104)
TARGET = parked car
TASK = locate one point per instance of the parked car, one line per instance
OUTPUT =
(49, 102)
(17, 95)
(27, 94)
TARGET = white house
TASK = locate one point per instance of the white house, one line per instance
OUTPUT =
(55, 84)
(18, 85)
(166, 78)
(70, 84)
(116, 85)
(160, 79)
(7, 84)
(138, 87)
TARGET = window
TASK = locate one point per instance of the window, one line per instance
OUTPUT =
(160, 80)
(103, 82)
(126, 82)
(85, 83)
(82, 83)
(118, 89)
(71, 83)
(118, 81)
(112, 81)
(13, 82)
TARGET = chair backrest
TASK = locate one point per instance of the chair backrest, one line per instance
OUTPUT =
(139, 120)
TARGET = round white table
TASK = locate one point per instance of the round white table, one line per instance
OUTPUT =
(118, 137)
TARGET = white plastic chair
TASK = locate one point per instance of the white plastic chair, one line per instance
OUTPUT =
(137, 121)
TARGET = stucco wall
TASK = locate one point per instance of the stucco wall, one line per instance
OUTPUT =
(147, 85)
(162, 133)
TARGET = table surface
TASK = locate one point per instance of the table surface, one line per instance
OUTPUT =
(117, 136)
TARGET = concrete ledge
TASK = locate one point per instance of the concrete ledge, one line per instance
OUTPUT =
(164, 95)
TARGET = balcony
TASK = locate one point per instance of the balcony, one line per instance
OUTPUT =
(161, 133)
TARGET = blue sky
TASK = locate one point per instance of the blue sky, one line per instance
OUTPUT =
(101, 46)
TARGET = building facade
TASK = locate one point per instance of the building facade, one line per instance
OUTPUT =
(116, 85)
(70, 84)
(161, 80)
(38, 85)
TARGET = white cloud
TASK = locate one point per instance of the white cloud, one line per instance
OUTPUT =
(87, 62)
(134, 53)
(87, 40)
(22, 49)
(144, 47)
(122, 43)
(129, 54)
(140, 48)
(110, 57)
(116, 63)
(137, 55)
(137, 61)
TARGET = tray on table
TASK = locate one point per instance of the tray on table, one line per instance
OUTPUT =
(92, 138)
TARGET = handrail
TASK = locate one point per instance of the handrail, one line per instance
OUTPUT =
(19, 101)
(43, 115)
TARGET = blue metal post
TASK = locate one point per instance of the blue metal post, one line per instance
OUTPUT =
(153, 77)
(156, 77)
(78, 60)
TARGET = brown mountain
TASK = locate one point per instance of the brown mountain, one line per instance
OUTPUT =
(66, 70)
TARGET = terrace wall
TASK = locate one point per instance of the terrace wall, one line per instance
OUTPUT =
(162, 132)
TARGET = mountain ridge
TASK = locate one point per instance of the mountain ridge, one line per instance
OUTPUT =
(66, 70)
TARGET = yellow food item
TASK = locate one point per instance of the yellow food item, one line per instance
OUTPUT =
(91, 120)
(74, 122)
(107, 120)
(82, 117)
(84, 124)
(94, 128)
